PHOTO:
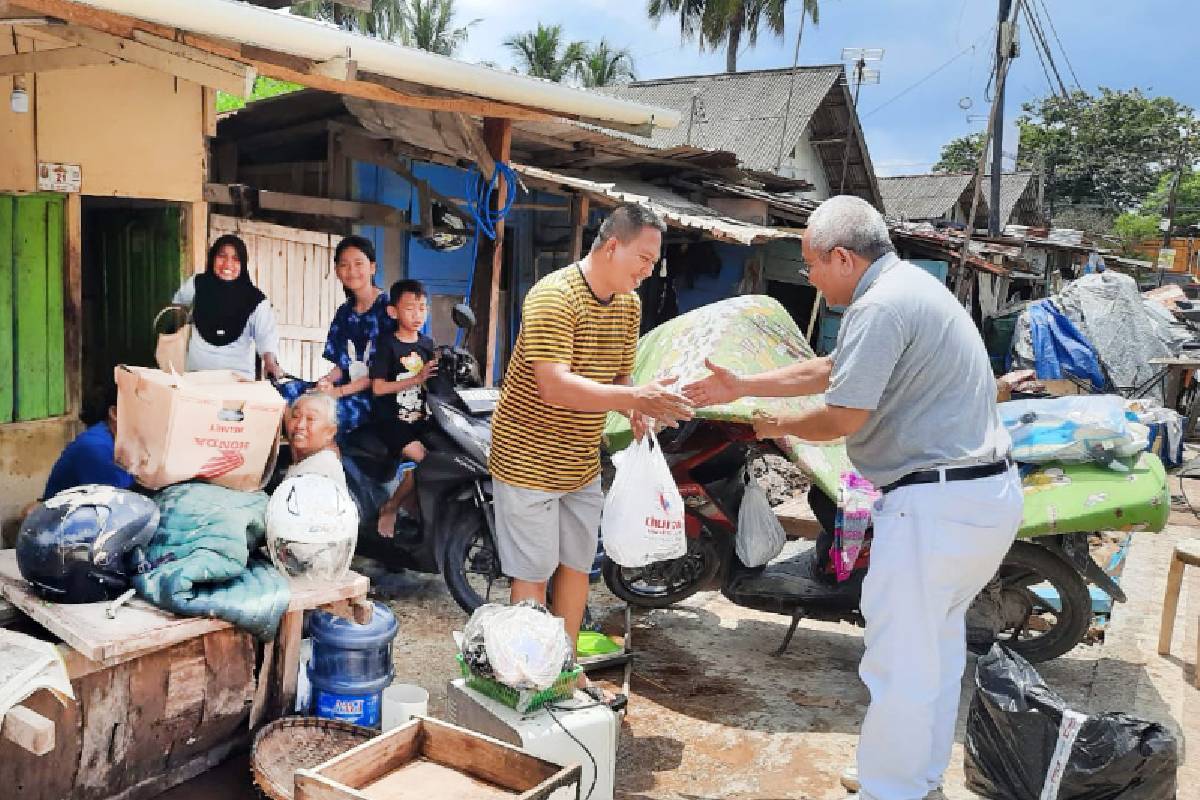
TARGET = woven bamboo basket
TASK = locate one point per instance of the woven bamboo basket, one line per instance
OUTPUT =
(293, 743)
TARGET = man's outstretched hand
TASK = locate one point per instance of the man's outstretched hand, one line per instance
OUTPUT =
(658, 401)
(721, 387)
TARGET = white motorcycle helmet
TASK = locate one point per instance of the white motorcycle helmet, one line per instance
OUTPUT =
(312, 528)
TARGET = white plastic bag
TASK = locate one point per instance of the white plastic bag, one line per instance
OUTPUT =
(643, 514)
(526, 646)
(760, 537)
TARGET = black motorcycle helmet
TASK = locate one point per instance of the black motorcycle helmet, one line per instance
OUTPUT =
(76, 547)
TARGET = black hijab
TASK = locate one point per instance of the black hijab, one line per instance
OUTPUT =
(222, 308)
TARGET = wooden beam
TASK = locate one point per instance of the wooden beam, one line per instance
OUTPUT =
(498, 135)
(73, 302)
(196, 54)
(366, 213)
(380, 153)
(49, 60)
(28, 729)
(479, 150)
(580, 207)
(342, 68)
(234, 78)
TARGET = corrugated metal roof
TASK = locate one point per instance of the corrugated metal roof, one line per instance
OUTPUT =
(1012, 186)
(675, 209)
(740, 112)
(919, 197)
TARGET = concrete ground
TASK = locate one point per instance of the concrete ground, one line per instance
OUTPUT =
(714, 715)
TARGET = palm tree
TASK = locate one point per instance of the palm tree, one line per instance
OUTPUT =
(541, 53)
(603, 65)
(727, 22)
(385, 20)
(428, 25)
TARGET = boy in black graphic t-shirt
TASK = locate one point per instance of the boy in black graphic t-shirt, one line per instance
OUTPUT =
(402, 363)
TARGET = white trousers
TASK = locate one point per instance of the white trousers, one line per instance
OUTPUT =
(936, 546)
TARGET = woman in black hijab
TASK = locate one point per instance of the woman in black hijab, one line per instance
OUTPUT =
(232, 319)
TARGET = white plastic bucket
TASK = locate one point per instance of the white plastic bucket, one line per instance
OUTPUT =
(402, 701)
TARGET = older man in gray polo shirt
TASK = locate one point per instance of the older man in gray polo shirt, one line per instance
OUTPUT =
(911, 389)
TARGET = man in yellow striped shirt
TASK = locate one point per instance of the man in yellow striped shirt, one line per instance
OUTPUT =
(571, 366)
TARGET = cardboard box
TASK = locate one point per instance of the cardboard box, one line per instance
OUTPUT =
(214, 426)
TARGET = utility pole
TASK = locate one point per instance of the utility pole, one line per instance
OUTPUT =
(1166, 241)
(1004, 51)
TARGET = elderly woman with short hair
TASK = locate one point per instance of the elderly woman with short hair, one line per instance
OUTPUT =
(312, 424)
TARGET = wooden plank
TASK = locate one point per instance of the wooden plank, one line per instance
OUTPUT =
(338, 67)
(303, 333)
(372, 760)
(287, 662)
(73, 303)
(196, 54)
(487, 759)
(140, 627)
(378, 152)
(209, 111)
(295, 282)
(7, 250)
(367, 213)
(310, 315)
(311, 786)
(580, 207)
(238, 79)
(498, 134)
(479, 149)
(50, 60)
(56, 265)
(51, 776)
(31, 339)
(29, 729)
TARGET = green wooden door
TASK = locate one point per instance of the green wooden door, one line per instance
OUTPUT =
(132, 267)
(32, 345)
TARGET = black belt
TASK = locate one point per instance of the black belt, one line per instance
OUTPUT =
(952, 474)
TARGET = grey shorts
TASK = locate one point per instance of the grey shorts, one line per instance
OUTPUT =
(536, 531)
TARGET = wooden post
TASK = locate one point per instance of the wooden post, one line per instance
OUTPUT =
(73, 303)
(485, 293)
(580, 208)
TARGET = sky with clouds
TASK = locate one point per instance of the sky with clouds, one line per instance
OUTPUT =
(937, 55)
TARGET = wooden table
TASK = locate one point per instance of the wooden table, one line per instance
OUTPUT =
(97, 642)
(1175, 370)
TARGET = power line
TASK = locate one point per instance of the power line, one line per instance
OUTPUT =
(952, 59)
(1035, 24)
(1037, 49)
(1054, 30)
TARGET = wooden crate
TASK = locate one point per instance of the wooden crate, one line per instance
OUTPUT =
(427, 759)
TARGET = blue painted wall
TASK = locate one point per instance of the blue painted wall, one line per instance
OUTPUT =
(711, 288)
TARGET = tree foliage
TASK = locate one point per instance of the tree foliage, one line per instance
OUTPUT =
(543, 53)
(1107, 150)
(429, 25)
(263, 88)
(385, 20)
(604, 65)
(961, 154)
(1131, 230)
(1187, 200)
(727, 23)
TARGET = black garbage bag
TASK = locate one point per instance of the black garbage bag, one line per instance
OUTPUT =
(1022, 738)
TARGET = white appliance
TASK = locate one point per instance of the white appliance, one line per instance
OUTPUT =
(595, 726)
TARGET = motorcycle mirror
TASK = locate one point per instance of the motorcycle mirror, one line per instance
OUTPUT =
(463, 316)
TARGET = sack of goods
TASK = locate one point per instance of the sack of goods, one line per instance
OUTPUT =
(82, 545)
(312, 528)
(521, 646)
(1024, 743)
(643, 514)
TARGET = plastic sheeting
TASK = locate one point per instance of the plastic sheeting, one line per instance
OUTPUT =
(1111, 313)
(1059, 349)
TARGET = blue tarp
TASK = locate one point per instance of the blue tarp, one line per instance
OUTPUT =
(1060, 349)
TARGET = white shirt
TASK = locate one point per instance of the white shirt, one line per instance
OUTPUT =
(260, 334)
(323, 462)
